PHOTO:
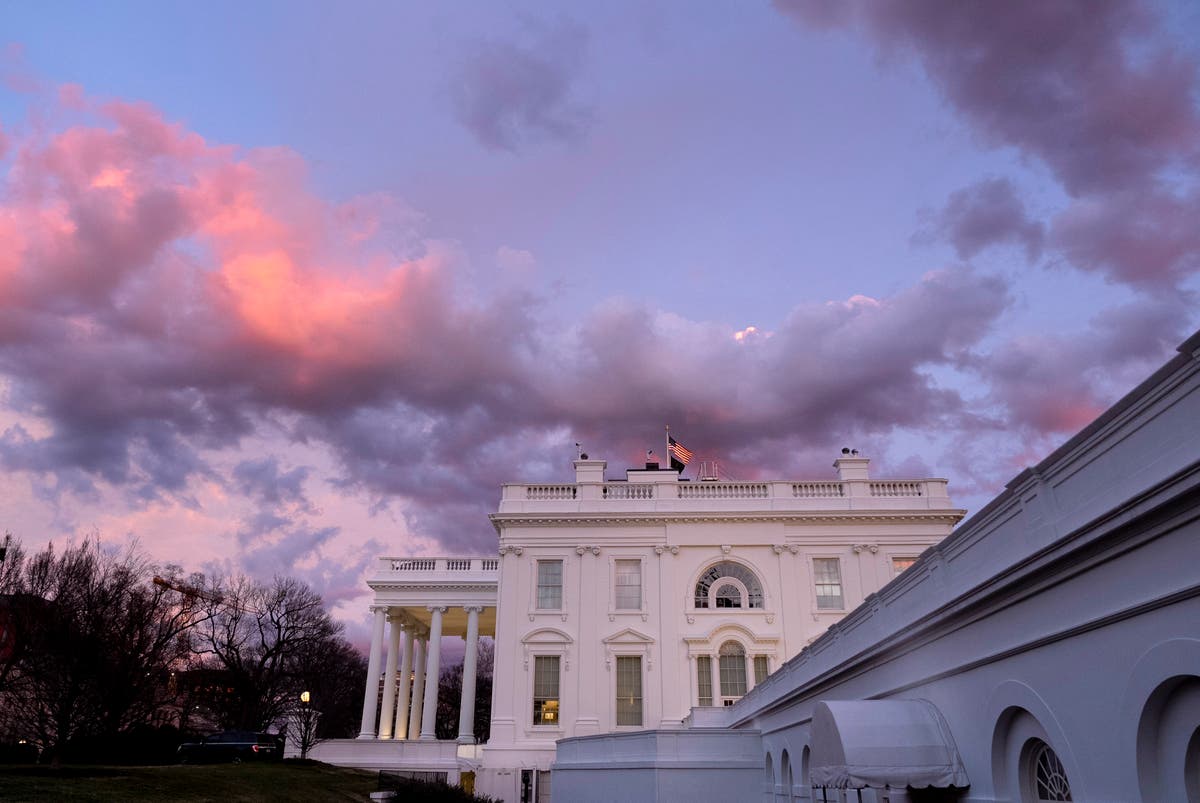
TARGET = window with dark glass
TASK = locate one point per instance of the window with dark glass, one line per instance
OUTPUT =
(710, 581)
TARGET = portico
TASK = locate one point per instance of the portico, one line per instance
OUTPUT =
(417, 603)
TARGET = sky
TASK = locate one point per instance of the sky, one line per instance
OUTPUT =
(285, 287)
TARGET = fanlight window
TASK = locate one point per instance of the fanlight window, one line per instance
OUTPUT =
(712, 593)
(1049, 780)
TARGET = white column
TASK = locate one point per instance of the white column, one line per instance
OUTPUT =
(716, 678)
(749, 671)
(371, 695)
(405, 688)
(466, 711)
(418, 689)
(387, 713)
(432, 673)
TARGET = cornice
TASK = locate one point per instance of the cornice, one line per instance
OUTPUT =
(409, 585)
(501, 520)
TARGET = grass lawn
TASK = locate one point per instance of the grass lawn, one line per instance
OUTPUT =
(220, 783)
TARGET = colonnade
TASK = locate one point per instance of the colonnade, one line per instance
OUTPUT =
(409, 708)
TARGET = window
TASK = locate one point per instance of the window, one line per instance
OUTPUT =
(1044, 777)
(728, 596)
(629, 690)
(704, 680)
(900, 564)
(549, 585)
(733, 671)
(628, 585)
(545, 689)
(761, 670)
(827, 574)
(725, 593)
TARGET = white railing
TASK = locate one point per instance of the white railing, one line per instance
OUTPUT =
(817, 490)
(784, 493)
(414, 565)
(724, 490)
(897, 489)
(438, 565)
(541, 492)
(625, 490)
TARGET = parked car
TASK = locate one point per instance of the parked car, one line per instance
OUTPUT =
(235, 746)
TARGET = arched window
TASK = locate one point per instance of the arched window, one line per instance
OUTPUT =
(785, 767)
(1043, 777)
(769, 781)
(733, 671)
(728, 596)
(746, 591)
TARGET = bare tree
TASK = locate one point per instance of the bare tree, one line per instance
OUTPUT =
(95, 642)
(260, 637)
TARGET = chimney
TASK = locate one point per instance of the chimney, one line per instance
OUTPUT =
(850, 466)
(589, 470)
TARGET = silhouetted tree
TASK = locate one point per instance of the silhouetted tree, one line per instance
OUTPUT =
(262, 638)
(95, 643)
(450, 695)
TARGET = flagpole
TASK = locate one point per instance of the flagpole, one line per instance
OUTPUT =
(668, 444)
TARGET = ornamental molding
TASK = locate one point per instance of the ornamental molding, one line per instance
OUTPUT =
(582, 548)
(508, 548)
(872, 548)
(379, 586)
(660, 549)
(779, 549)
(501, 520)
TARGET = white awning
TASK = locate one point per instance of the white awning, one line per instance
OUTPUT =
(879, 743)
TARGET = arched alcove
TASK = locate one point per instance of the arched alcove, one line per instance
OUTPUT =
(1168, 741)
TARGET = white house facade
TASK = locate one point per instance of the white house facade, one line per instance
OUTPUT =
(625, 604)
(621, 604)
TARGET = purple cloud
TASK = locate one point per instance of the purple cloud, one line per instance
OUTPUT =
(985, 214)
(1096, 92)
(509, 96)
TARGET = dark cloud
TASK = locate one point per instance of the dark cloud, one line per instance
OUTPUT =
(262, 480)
(985, 214)
(1095, 91)
(511, 95)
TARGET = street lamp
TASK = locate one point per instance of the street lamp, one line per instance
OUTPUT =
(306, 723)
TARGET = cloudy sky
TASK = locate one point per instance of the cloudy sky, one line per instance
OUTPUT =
(283, 289)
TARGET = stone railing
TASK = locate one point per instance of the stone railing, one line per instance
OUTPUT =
(818, 490)
(626, 490)
(549, 492)
(670, 494)
(897, 488)
(724, 490)
(428, 566)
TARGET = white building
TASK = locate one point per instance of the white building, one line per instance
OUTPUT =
(621, 604)
(1048, 650)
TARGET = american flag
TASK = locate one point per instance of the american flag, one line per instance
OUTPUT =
(679, 451)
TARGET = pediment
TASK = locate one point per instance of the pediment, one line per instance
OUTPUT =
(629, 636)
(547, 635)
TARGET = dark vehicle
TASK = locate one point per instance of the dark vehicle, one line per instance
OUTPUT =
(235, 746)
